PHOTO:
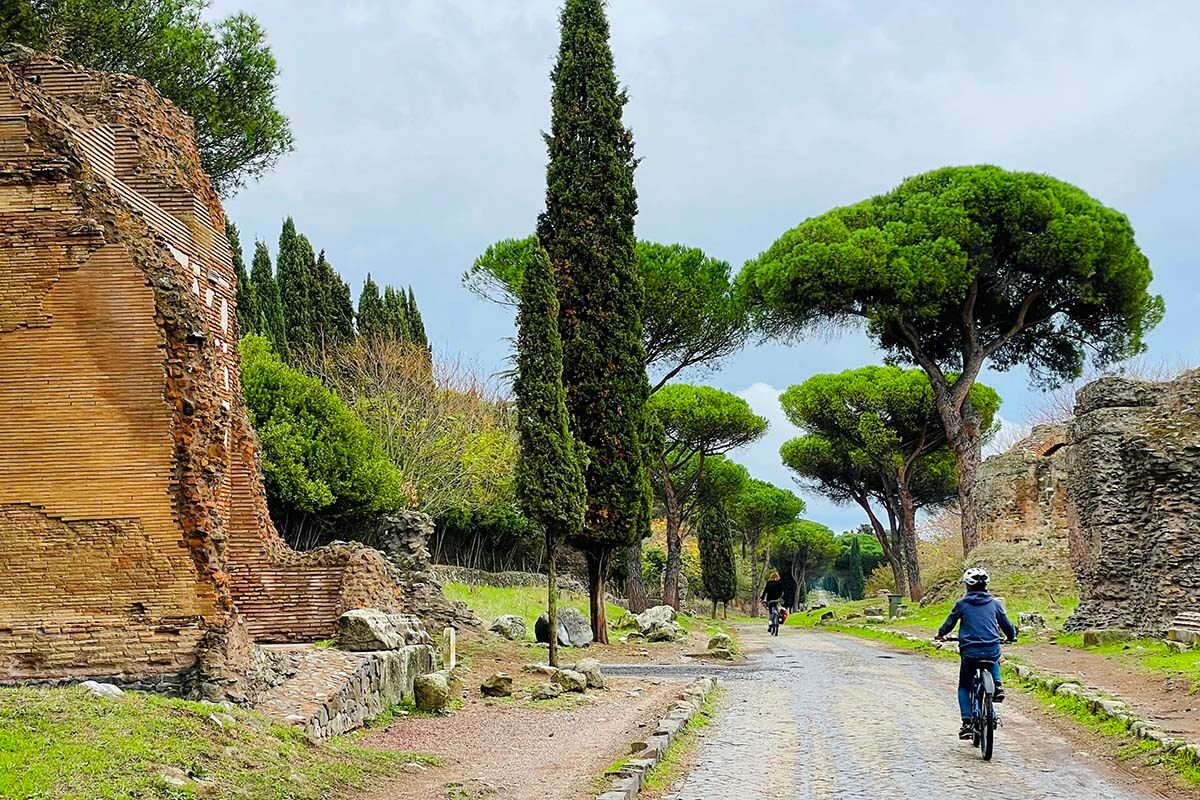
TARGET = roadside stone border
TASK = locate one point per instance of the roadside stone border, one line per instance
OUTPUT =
(1104, 707)
(646, 755)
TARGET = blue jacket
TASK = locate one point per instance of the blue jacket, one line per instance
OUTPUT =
(982, 619)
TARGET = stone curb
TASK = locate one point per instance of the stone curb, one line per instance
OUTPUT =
(627, 780)
(1104, 707)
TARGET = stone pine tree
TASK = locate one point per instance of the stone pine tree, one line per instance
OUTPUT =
(266, 292)
(587, 230)
(962, 268)
(856, 581)
(549, 479)
(372, 317)
(296, 282)
(247, 301)
(717, 567)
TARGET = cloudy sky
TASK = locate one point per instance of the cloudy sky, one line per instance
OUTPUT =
(418, 140)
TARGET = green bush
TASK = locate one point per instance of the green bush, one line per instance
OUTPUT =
(323, 467)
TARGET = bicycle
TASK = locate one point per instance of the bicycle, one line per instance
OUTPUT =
(773, 625)
(983, 717)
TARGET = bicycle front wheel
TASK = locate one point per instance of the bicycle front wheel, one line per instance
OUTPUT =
(987, 731)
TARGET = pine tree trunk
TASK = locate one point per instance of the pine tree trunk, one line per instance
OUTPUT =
(755, 579)
(674, 567)
(635, 587)
(597, 563)
(908, 534)
(714, 614)
(967, 457)
(552, 600)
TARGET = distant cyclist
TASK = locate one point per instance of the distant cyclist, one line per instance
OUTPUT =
(773, 596)
(981, 619)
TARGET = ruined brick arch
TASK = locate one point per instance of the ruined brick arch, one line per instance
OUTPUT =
(134, 535)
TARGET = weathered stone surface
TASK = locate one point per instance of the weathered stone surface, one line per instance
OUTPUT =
(667, 632)
(658, 615)
(372, 629)
(506, 580)
(498, 684)
(570, 680)
(96, 689)
(1093, 637)
(432, 692)
(1021, 494)
(590, 669)
(1134, 465)
(510, 626)
(574, 630)
(1185, 629)
(545, 691)
(720, 640)
(1031, 620)
(720, 653)
(404, 537)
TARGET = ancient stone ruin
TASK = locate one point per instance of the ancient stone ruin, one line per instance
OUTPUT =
(1022, 494)
(135, 542)
(1134, 466)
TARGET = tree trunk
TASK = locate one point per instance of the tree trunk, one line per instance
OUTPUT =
(887, 542)
(908, 535)
(967, 457)
(552, 600)
(714, 614)
(725, 610)
(597, 563)
(635, 587)
(674, 568)
(755, 579)
(798, 578)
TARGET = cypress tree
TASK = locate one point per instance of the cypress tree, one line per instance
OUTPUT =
(856, 581)
(266, 292)
(372, 320)
(717, 568)
(247, 301)
(416, 326)
(395, 313)
(334, 319)
(587, 230)
(294, 268)
(549, 480)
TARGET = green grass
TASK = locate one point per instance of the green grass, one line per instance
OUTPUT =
(670, 768)
(1148, 654)
(63, 744)
(929, 618)
(527, 602)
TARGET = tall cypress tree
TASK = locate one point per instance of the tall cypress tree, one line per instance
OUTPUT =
(549, 481)
(372, 318)
(294, 268)
(395, 312)
(416, 326)
(334, 317)
(717, 568)
(587, 230)
(247, 301)
(266, 292)
(856, 581)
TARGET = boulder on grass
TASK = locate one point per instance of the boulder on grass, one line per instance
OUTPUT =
(570, 680)
(510, 626)
(655, 617)
(574, 630)
(96, 689)
(720, 640)
(545, 691)
(1094, 637)
(431, 692)
(666, 632)
(827, 617)
(1031, 620)
(590, 669)
(874, 619)
(720, 653)
(497, 685)
(624, 620)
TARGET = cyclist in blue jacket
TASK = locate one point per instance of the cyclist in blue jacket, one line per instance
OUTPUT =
(981, 620)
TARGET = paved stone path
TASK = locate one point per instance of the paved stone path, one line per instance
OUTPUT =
(818, 716)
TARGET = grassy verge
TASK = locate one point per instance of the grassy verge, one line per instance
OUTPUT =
(527, 602)
(1148, 654)
(63, 744)
(675, 761)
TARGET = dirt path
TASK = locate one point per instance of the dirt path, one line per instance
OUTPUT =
(1163, 700)
(821, 716)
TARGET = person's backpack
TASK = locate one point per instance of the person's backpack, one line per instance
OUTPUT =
(783, 614)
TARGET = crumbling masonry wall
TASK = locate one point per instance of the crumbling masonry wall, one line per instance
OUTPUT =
(1134, 467)
(134, 537)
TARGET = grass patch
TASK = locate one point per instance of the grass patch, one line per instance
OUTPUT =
(1149, 752)
(527, 602)
(1152, 655)
(63, 744)
(671, 767)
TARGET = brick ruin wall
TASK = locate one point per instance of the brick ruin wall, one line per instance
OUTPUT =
(134, 536)
(1134, 480)
(1022, 495)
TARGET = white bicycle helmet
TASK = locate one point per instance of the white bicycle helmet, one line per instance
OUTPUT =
(975, 575)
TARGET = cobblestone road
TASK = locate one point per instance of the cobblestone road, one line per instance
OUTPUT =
(826, 717)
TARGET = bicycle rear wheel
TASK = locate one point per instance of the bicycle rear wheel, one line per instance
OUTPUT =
(987, 730)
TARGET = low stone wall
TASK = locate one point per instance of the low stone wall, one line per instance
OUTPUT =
(505, 580)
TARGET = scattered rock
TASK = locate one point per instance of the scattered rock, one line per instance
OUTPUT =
(873, 611)
(456, 679)
(624, 620)
(720, 640)
(540, 669)
(545, 691)
(652, 617)
(1094, 637)
(574, 630)
(874, 619)
(635, 637)
(667, 632)
(371, 629)
(721, 653)
(1031, 620)
(828, 616)
(590, 669)
(570, 680)
(431, 692)
(498, 685)
(510, 626)
(96, 689)
(173, 778)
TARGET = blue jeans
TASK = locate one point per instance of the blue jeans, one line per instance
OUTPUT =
(966, 677)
